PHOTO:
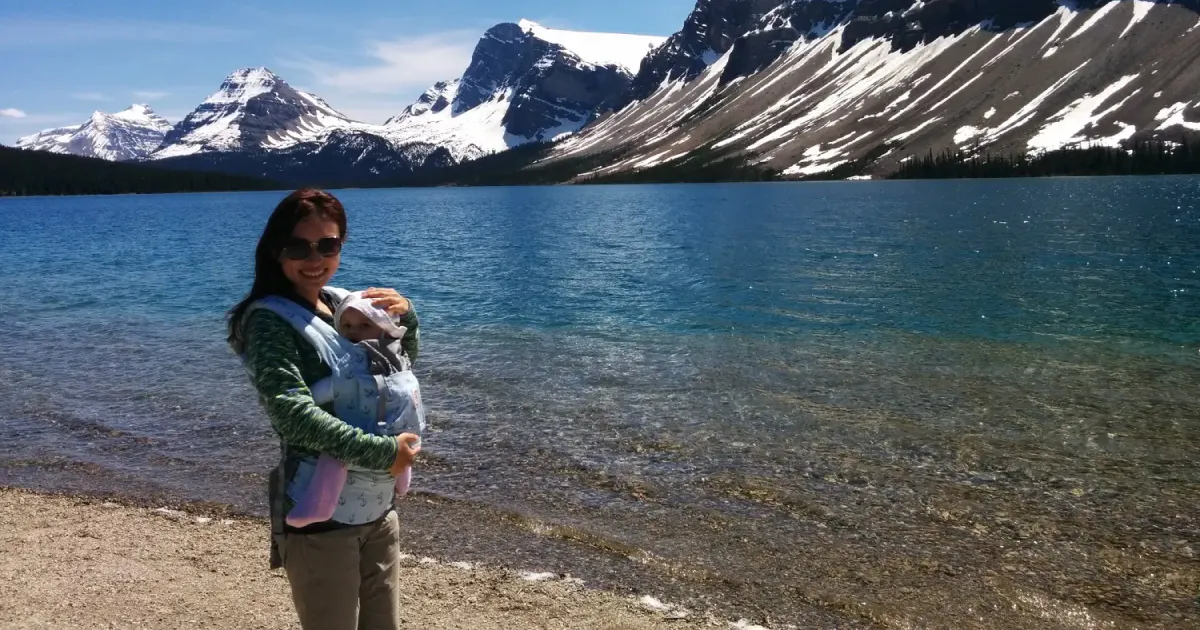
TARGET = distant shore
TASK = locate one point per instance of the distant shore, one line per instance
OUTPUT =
(73, 562)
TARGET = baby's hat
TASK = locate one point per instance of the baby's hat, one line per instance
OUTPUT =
(378, 315)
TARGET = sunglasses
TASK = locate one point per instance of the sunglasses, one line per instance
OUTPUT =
(300, 249)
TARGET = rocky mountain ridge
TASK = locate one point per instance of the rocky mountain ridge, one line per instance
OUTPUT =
(130, 134)
(526, 83)
(808, 86)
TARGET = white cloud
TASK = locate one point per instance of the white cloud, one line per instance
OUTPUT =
(150, 95)
(393, 74)
(29, 32)
(89, 96)
(11, 112)
(399, 64)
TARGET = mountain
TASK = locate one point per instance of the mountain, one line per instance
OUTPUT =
(709, 31)
(809, 86)
(806, 88)
(254, 110)
(526, 83)
(256, 124)
(338, 158)
(126, 135)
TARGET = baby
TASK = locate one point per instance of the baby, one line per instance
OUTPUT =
(374, 331)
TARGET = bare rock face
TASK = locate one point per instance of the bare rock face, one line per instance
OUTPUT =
(806, 86)
(709, 32)
(525, 83)
(435, 100)
(502, 56)
(547, 85)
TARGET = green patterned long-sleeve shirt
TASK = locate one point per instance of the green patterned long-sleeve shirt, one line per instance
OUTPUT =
(284, 365)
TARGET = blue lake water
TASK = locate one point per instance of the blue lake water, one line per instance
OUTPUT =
(816, 382)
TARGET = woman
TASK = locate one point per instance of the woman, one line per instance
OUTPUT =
(343, 576)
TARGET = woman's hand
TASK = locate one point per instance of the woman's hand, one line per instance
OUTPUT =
(407, 447)
(390, 300)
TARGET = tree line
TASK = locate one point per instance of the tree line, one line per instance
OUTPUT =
(1147, 157)
(24, 172)
(41, 173)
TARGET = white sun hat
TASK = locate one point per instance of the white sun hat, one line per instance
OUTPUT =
(378, 315)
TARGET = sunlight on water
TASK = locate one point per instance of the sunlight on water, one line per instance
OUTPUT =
(914, 401)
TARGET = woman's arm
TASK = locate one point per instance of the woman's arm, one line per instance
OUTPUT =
(274, 359)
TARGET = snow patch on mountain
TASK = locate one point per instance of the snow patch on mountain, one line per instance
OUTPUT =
(435, 99)
(602, 49)
(1141, 8)
(874, 83)
(255, 109)
(1099, 15)
(130, 134)
(1063, 129)
(526, 83)
(1173, 117)
(53, 140)
(472, 134)
(243, 85)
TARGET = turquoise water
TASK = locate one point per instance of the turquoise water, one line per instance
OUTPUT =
(766, 363)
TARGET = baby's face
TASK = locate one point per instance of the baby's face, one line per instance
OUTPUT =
(357, 327)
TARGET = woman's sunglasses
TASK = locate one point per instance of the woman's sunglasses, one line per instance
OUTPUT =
(299, 249)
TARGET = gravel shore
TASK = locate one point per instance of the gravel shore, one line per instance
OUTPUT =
(68, 562)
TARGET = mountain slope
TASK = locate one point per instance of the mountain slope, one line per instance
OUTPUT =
(253, 110)
(526, 83)
(810, 85)
(126, 135)
(339, 158)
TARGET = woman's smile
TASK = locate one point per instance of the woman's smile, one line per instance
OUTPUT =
(310, 274)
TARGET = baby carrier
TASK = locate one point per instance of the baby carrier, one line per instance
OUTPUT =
(381, 404)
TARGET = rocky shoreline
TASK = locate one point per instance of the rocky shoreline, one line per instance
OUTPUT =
(72, 562)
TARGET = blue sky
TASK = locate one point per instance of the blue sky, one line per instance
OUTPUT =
(64, 59)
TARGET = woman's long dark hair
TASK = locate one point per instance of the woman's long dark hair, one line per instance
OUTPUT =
(268, 274)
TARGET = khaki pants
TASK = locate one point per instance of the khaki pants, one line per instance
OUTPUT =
(347, 579)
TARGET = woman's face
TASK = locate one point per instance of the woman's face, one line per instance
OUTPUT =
(313, 272)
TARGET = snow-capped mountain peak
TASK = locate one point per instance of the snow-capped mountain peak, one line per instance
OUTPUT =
(126, 135)
(602, 49)
(526, 83)
(434, 100)
(244, 84)
(143, 115)
(254, 109)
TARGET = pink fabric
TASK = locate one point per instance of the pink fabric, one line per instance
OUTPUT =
(403, 481)
(320, 499)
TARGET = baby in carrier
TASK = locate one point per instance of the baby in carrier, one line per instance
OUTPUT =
(383, 383)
